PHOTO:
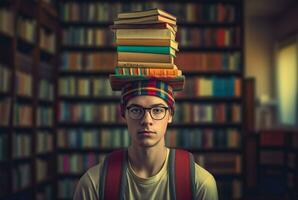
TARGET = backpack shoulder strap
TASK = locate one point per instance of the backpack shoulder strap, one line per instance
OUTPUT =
(182, 175)
(113, 176)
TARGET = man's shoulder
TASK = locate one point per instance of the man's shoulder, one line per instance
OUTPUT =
(204, 180)
(93, 173)
(88, 184)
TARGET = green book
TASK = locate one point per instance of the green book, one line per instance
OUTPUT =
(147, 49)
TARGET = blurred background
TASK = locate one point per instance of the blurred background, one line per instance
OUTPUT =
(238, 113)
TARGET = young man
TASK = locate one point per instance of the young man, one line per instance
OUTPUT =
(148, 107)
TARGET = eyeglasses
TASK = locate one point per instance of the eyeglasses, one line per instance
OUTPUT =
(138, 112)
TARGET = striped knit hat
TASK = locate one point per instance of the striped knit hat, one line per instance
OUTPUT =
(152, 87)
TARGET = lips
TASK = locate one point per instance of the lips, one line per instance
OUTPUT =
(146, 132)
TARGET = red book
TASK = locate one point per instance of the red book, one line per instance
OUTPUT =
(272, 138)
(220, 37)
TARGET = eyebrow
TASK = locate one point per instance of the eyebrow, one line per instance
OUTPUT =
(152, 105)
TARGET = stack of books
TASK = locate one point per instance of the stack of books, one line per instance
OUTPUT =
(146, 48)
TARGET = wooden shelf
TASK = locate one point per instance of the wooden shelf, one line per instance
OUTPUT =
(4, 128)
(212, 73)
(44, 155)
(27, 8)
(88, 48)
(209, 99)
(24, 129)
(5, 37)
(181, 49)
(96, 125)
(85, 73)
(164, 1)
(45, 102)
(99, 150)
(185, 73)
(4, 94)
(107, 24)
(24, 45)
(24, 99)
(68, 150)
(45, 128)
(21, 160)
(49, 9)
(116, 99)
(111, 99)
(69, 176)
(89, 125)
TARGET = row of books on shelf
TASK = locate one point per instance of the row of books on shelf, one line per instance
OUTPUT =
(21, 176)
(23, 83)
(6, 21)
(187, 37)
(213, 62)
(187, 113)
(189, 12)
(21, 145)
(77, 163)
(5, 77)
(100, 138)
(218, 113)
(89, 113)
(203, 138)
(118, 138)
(26, 29)
(23, 115)
(47, 40)
(208, 37)
(79, 61)
(272, 157)
(194, 86)
(211, 87)
(45, 116)
(90, 37)
(91, 87)
(5, 111)
(216, 163)
(278, 161)
(44, 142)
(187, 61)
(220, 163)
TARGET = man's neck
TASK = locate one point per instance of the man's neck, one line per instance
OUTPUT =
(147, 162)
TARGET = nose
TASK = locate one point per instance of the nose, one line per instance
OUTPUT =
(147, 119)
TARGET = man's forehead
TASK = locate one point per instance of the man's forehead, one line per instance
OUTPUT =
(146, 100)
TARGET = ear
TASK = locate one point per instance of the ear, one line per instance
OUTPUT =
(170, 118)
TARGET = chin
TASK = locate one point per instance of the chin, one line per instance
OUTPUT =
(147, 143)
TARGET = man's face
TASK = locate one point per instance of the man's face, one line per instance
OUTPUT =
(147, 132)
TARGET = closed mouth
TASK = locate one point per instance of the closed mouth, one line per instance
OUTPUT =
(146, 132)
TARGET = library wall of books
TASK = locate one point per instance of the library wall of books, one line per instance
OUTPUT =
(59, 115)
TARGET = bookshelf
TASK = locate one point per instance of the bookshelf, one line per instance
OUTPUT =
(28, 60)
(278, 163)
(210, 37)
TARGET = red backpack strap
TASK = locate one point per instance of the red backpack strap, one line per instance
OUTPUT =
(182, 175)
(113, 176)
